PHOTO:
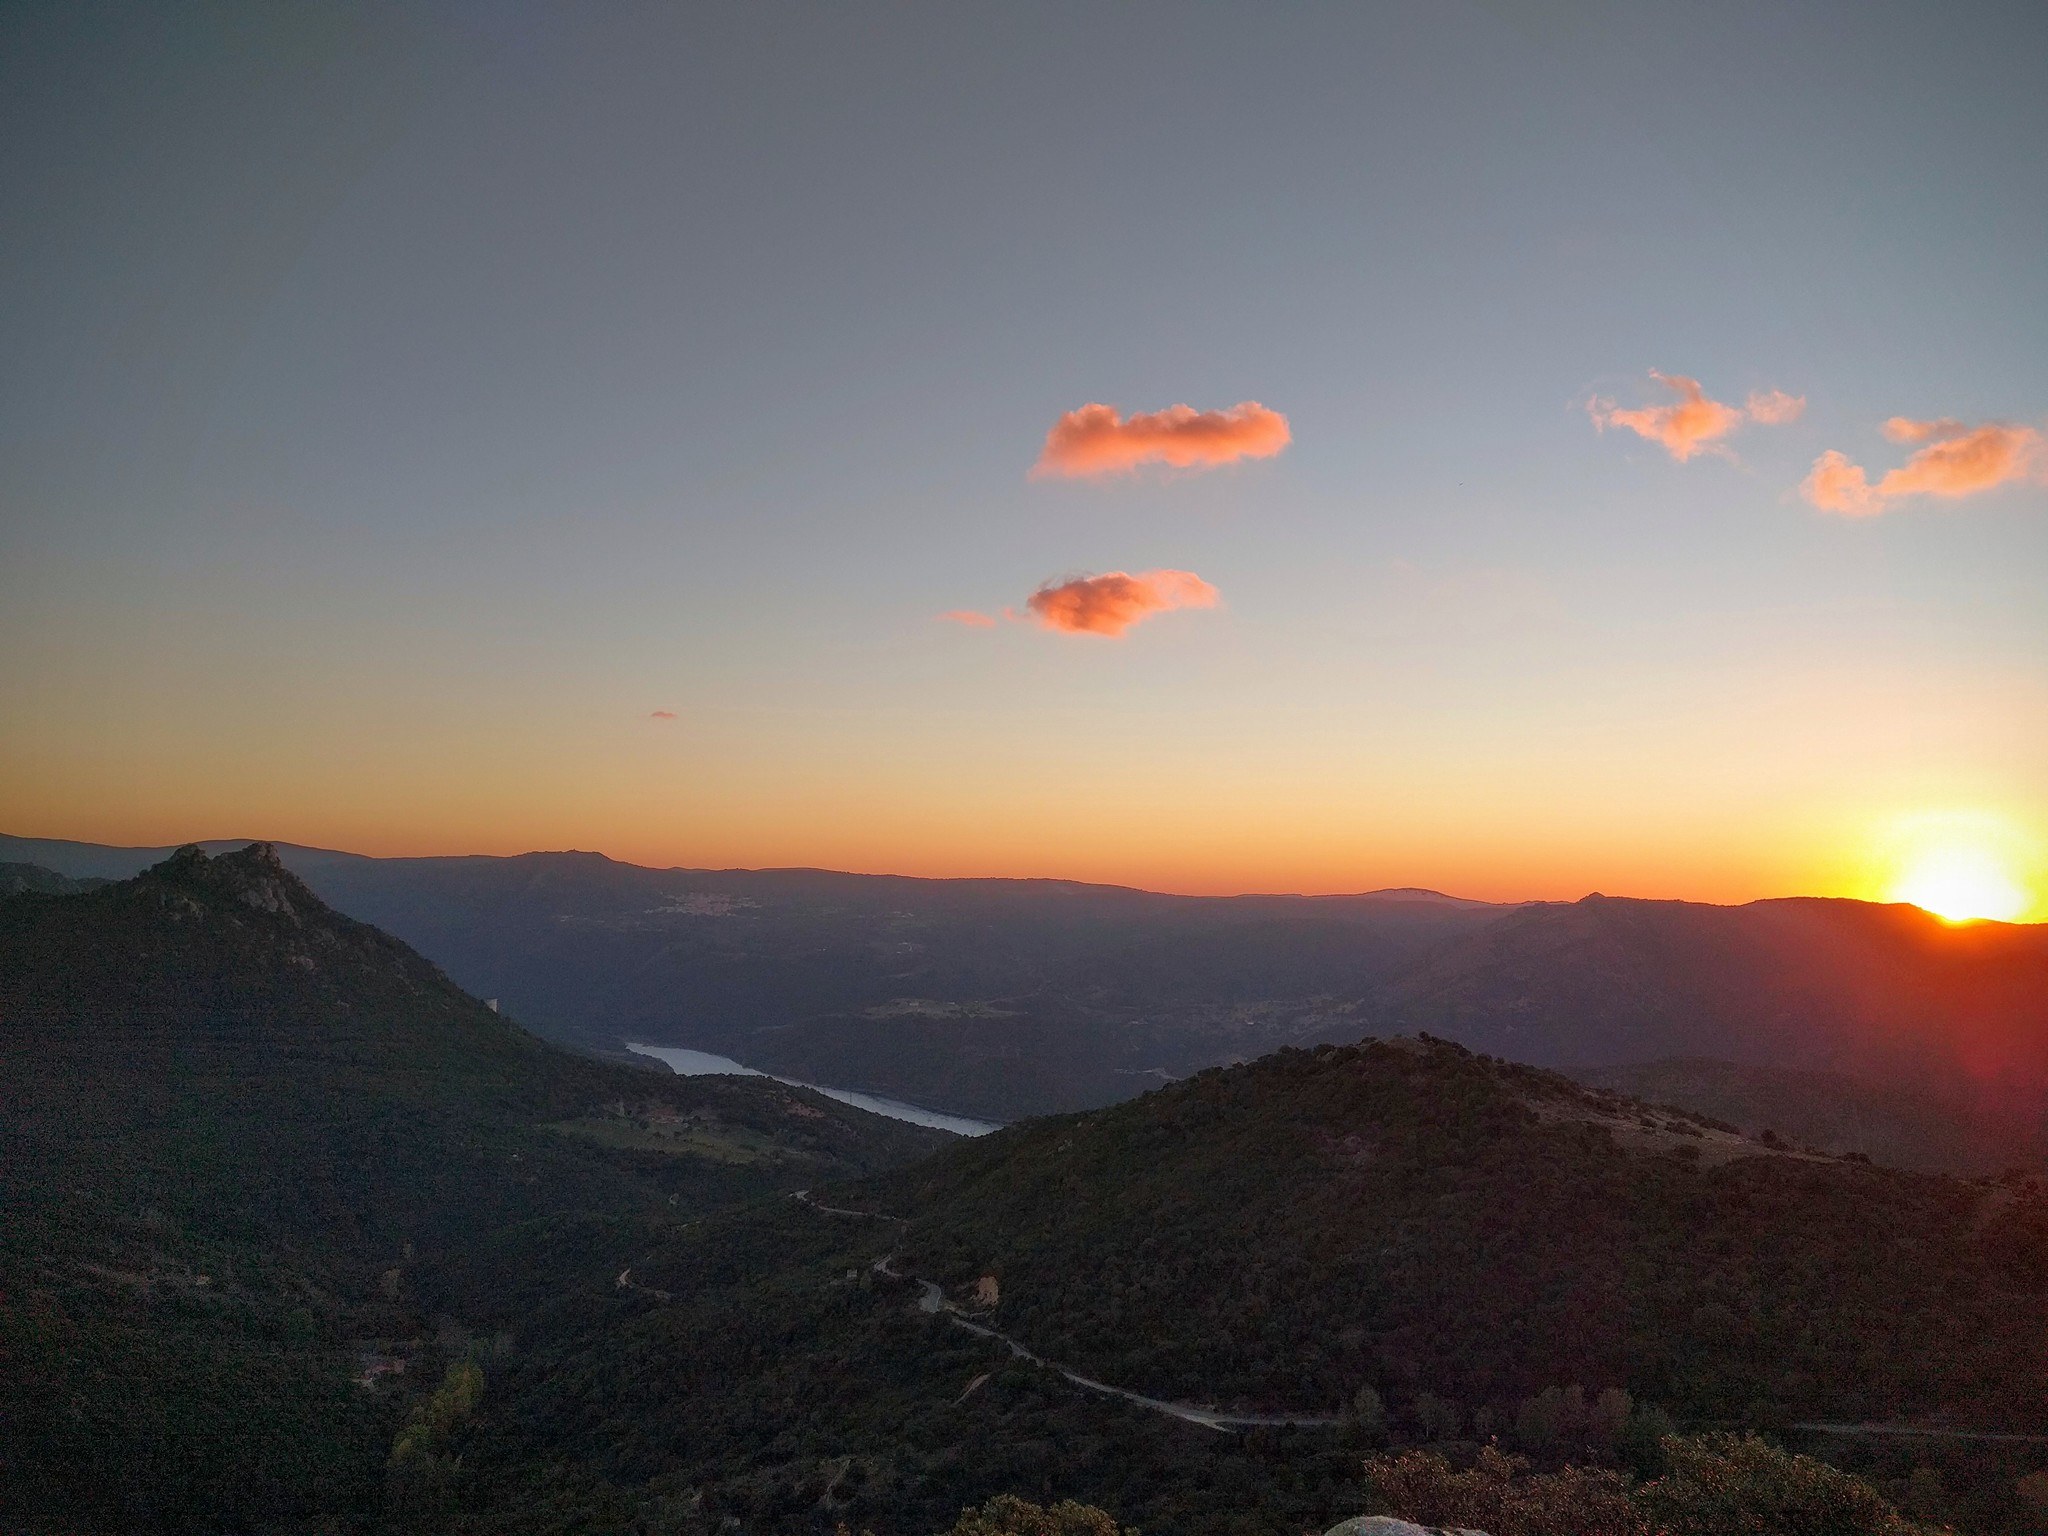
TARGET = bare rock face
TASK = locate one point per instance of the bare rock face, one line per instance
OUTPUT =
(259, 877)
(254, 876)
(1387, 1525)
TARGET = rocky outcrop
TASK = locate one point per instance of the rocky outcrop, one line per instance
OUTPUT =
(255, 876)
(1387, 1525)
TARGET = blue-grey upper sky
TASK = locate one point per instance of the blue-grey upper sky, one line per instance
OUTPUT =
(400, 406)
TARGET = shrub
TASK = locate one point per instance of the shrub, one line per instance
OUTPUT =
(1499, 1495)
(1729, 1485)
(1716, 1485)
(1008, 1515)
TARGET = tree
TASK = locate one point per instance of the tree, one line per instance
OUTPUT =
(1538, 1425)
(1367, 1415)
(1437, 1418)
(1730, 1485)
(1499, 1495)
(1608, 1417)
(1718, 1485)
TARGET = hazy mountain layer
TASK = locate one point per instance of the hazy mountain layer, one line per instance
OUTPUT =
(1883, 993)
(1005, 998)
(1952, 1128)
(996, 998)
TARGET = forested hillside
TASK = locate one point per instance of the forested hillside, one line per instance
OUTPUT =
(1401, 1239)
(255, 1149)
(1936, 1126)
(1413, 1217)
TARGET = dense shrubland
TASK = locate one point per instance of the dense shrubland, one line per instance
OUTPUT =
(1461, 1234)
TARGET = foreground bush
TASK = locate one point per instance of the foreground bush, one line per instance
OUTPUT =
(1008, 1515)
(1716, 1485)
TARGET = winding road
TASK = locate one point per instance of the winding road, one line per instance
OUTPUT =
(933, 1300)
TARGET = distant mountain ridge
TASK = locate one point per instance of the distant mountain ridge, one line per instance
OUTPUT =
(16, 877)
(1885, 993)
(120, 861)
(1000, 999)
(988, 997)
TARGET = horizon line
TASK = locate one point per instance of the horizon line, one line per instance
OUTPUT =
(1420, 892)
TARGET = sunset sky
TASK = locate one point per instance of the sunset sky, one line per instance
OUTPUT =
(1517, 448)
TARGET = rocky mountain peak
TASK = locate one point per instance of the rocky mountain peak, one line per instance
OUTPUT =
(254, 875)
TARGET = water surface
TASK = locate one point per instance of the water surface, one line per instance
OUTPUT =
(688, 1063)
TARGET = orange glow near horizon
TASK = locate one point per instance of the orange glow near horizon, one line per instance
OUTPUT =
(1961, 867)
(1279, 794)
(1962, 885)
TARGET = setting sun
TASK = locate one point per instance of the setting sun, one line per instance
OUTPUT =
(1962, 884)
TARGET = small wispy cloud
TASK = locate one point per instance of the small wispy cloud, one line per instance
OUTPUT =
(967, 618)
(1957, 460)
(1111, 603)
(1773, 407)
(663, 714)
(1836, 485)
(1694, 422)
(1098, 440)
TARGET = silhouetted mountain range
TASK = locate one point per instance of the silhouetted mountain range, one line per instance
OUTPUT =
(1888, 993)
(1003, 998)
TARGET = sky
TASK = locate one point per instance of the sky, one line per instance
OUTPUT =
(1518, 448)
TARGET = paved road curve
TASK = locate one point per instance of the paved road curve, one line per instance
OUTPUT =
(932, 1299)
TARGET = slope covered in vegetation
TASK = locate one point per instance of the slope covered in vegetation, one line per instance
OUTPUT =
(1419, 1244)
(1407, 1215)
(256, 1150)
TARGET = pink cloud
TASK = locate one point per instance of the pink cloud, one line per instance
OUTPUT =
(1111, 603)
(663, 714)
(1963, 461)
(1904, 429)
(1096, 440)
(1694, 422)
(1956, 461)
(1836, 485)
(1774, 408)
(967, 618)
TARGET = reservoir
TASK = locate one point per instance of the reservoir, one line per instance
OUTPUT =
(688, 1063)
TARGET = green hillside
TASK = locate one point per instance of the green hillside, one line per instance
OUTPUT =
(1421, 1244)
(255, 1148)
(1932, 1126)
(1413, 1217)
